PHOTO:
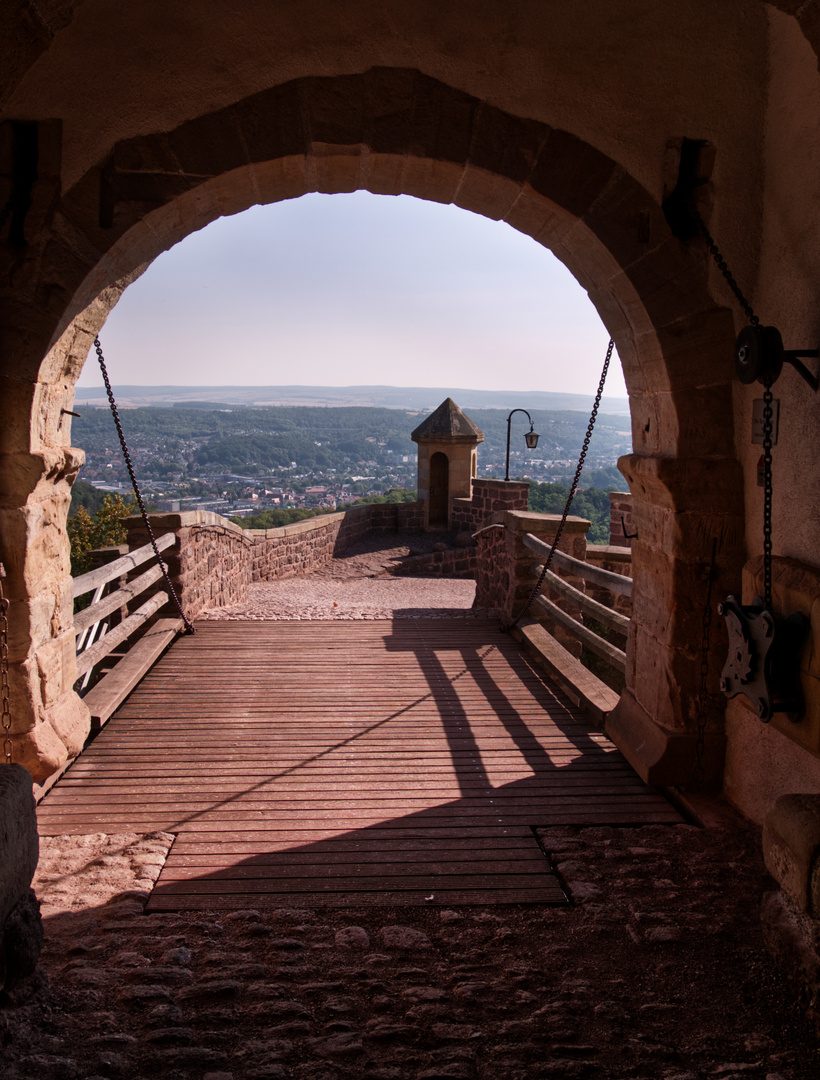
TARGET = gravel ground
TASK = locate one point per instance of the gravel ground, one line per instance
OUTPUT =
(358, 585)
(316, 596)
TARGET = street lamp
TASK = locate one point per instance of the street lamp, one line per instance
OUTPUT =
(531, 437)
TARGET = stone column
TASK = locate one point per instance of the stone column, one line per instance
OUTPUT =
(680, 505)
(49, 721)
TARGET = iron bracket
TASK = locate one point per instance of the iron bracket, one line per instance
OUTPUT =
(764, 658)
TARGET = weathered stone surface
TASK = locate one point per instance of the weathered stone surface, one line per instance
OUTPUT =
(22, 939)
(352, 937)
(403, 937)
(604, 982)
(793, 938)
(19, 844)
(791, 848)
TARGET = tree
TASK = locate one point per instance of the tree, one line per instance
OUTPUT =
(106, 529)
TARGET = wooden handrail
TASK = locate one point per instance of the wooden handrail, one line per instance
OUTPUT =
(614, 656)
(605, 579)
(611, 619)
(98, 610)
(94, 578)
(106, 644)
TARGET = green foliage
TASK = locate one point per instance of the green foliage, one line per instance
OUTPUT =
(85, 495)
(253, 441)
(590, 503)
(104, 530)
(395, 495)
(275, 519)
(610, 479)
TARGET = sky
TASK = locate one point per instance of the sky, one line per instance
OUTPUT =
(359, 289)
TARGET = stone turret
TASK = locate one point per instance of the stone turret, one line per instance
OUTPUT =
(448, 449)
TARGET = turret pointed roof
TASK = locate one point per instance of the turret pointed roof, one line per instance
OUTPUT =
(447, 424)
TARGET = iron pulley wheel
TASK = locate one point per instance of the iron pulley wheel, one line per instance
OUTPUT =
(759, 354)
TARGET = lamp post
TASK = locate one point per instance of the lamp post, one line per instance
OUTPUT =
(531, 437)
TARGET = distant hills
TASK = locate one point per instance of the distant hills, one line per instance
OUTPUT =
(411, 398)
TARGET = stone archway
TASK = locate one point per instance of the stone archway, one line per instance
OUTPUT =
(389, 131)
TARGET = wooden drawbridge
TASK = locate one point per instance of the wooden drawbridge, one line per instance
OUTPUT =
(391, 761)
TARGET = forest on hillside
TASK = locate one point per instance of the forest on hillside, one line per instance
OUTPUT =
(258, 441)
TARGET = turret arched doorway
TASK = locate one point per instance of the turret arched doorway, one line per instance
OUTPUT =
(439, 491)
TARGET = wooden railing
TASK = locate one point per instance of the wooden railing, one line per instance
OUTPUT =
(99, 632)
(542, 606)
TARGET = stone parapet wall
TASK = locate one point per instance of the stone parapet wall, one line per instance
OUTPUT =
(210, 565)
(620, 519)
(489, 497)
(459, 563)
(306, 545)
(410, 517)
(618, 560)
(504, 574)
(215, 560)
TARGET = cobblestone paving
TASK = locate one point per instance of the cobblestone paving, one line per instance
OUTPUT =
(315, 597)
(655, 972)
(357, 585)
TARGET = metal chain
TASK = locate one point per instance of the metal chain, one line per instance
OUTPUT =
(189, 626)
(768, 413)
(721, 264)
(706, 636)
(5, 707)
(554, 546)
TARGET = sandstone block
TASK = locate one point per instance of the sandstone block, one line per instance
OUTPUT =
(56, 664)
(39, 750)
(791, 848)
(70, 720)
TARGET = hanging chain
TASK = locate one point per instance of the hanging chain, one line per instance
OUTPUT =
(768, 413)
(554, 546)
(5, 708)
(721, 264)
(189, 627)
(705, 641)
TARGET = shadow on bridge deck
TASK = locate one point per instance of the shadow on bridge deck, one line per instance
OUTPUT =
(395, 761)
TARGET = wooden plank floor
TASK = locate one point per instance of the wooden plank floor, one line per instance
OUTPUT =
(347, 763)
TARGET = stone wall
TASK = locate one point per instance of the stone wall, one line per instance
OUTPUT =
(504, 573)
(489, 497)
(21, 931)
(620, 519)
(308, 545)
(211, 564)
(618, 560)
(458, 563)
(215, 560)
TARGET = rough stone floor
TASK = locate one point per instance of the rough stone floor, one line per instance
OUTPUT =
(655, 971)
(358, 585)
